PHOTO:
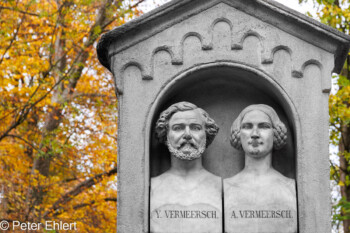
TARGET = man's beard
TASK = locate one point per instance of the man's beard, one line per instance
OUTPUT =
(187, 150)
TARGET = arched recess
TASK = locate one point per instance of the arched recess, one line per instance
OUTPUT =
(223, 89)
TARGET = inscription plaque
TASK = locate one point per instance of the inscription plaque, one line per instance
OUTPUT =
(259, 199)
(194, 208)
(186, 198)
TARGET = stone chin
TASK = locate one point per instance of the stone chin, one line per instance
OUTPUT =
(255, 153)
(187, 152)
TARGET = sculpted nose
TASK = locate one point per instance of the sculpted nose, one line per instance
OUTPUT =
(255, 133)
(187, 137)
(187, 134)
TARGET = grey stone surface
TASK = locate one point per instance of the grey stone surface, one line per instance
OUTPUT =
(270, 11)
(239, 53)
(181, 205)
(186, 198)
(259, 199)
(258, 204)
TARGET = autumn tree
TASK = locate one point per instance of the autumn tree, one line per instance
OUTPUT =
(58, 112)
(336, 13)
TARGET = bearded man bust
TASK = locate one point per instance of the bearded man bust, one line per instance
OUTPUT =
(187, 197)
(259, 199)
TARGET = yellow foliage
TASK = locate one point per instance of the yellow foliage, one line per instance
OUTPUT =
(58, 122)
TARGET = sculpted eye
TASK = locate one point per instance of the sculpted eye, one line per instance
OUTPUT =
(265, 126)
(247, 126)
(177, 128)
(196, 127)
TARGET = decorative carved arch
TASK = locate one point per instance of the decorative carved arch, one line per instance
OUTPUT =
(239, 44)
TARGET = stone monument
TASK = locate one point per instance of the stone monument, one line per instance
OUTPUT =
(259, 198)
(186, 198)
(223, 55)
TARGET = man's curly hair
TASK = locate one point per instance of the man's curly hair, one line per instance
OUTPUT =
(162, 125)
(279, 129)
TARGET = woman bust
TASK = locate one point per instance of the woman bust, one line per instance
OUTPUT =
(259, 199)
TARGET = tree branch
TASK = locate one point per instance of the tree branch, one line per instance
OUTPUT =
(109, 135)
(93, 202)
(76, 95)
(24, 140)
(21, 116)
(12, 39)
(114, 18)
(18, 10)
(56, 207)
(136, 4)
(335, 174)
(84, 205)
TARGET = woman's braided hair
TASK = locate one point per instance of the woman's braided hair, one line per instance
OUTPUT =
(279, 129)
(211, 129)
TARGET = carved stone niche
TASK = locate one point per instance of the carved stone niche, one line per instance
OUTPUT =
(223, 55)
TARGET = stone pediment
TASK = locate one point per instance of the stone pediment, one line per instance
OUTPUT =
(269, 13)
